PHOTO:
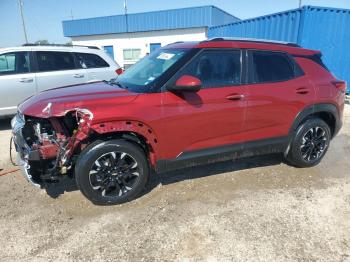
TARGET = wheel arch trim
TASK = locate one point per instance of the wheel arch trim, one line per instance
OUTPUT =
(314, 109)
(131, 126)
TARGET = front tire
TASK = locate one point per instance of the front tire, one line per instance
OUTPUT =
(111, 172)
(310, 143)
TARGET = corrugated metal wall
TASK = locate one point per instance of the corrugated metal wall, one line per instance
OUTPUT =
(178, 18)
(98, 25)
(328, 30)
(203, 16)
(280, 26)
(325, 29)
(220, 17)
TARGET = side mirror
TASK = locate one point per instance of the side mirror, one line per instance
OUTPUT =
(186, 83)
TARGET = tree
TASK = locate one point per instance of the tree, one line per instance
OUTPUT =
(42, 42)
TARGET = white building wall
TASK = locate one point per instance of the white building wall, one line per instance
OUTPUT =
(140, 40)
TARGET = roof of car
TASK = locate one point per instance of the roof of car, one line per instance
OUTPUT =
(246, 43)
(34, 47)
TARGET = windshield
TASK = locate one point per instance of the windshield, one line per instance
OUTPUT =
(142, 77)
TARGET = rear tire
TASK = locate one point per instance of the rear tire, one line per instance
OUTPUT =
(310, 143)
(111, 172)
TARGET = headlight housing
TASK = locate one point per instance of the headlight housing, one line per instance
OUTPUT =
(17, 122)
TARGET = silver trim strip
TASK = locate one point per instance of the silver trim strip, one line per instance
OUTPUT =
(8, 108)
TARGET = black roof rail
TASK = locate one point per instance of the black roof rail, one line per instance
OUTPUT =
(253, 40)
(177, 42)
(62, 45)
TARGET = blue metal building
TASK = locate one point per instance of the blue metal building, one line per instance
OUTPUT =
(320, 28)
(192, 17)
(127, 38)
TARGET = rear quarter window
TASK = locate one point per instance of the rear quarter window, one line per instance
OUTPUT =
(14, 63)
(272, 67)
(91, 60)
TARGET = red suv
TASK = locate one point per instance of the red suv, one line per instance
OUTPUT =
(183, 105)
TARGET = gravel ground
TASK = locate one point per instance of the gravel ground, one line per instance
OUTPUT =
(256, 209)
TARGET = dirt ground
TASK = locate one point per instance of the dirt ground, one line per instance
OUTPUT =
(256, 209)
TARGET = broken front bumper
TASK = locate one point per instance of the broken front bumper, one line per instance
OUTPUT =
(23, 150)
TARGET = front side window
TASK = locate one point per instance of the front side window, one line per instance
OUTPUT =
(215, 68)
(131, 54)
(55, 61)
(271, 67)
(14, 63)
(91, 60)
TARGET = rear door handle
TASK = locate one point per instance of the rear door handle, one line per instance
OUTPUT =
(302, 90)
(78, 75)
(234, 97)
(26, 80)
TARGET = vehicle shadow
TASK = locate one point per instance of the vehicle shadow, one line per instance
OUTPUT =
(5, 124)
(212, 170)
(68, 184)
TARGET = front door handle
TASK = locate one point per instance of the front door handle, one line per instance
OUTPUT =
(302, 90)
(26, 80)
(234, 97)
(78, 75)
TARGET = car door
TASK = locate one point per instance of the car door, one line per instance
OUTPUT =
(57, 69)
(17, 81)
(96, 67)
(212, 117)
(277, 91)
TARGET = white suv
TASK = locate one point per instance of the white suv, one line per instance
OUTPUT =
(27, 70)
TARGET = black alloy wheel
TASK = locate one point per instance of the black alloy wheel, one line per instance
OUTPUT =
(314, 144)
(309, 143)
(112, 172)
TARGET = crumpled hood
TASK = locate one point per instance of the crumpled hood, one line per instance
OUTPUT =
(57, 102)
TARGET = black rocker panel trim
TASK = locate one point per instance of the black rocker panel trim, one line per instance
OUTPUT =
(223, 153)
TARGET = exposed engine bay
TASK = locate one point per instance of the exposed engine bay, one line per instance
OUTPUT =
(46, 146)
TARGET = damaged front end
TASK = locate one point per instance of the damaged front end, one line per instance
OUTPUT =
(46, 146)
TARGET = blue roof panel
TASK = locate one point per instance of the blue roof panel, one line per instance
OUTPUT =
(203, 16)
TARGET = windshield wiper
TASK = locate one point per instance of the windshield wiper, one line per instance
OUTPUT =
(115, 83)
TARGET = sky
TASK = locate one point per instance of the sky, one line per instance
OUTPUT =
(44, 17)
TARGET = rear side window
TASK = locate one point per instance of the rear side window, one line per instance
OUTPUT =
(271, 67)
(14, 63)
(91, 61)
(54, 61)
(215, 68)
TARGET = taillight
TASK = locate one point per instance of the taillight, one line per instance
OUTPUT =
(119, 71)
(341, 85)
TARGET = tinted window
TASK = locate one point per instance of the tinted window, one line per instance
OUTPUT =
(215, 68)
(14, 63)
(271, 67)
(91, 61)
(54, 61)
